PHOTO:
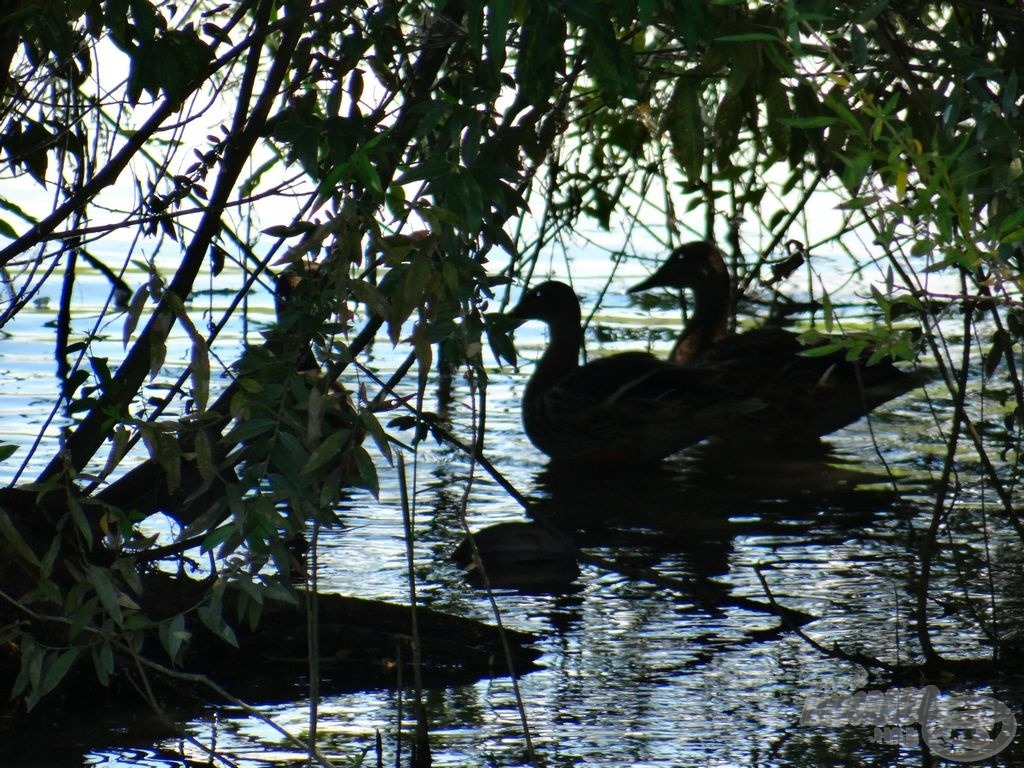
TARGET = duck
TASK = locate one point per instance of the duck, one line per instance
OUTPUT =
(805, 397)
(528, 555)
(624, 409)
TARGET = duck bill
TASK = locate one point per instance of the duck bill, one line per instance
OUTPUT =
(653, 281)
(517, 315)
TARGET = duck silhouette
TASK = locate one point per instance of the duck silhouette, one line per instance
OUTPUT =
(625, 409)
(805, 397)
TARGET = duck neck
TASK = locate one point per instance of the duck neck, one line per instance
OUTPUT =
(562, 355)
(709, 323)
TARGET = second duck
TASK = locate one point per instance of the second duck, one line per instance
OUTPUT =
(805, 397)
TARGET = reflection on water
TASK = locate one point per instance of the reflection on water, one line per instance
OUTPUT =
(640, 668)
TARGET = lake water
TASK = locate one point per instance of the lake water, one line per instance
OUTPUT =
(634, 672)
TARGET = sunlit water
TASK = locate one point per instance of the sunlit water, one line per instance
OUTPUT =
(632, 673)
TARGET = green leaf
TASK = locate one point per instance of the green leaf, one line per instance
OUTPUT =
(204, 456)
(326, 453)
(103, 662)
(173, 63)
(250, 429)
(777, 107)
(248, 588)
(465, 198)
(376, 431)
(173, 636)
(499, 328)
(218, 536)
(747, 37)
(8, 205)
(128, 571)
(214, 621)
(872, 11)
(431, 168)
(50, 558)
(81, 617)
(815, 121)
(131, 318)
(499, 15)
(181, 61)
(821, 350)
(200, 358)
(607, 60)
(57, 668)
(541, 52)
(145, 19)
(81, 522)
(359, 166)
(160, 326)
(1010, 225)
(686, 127)
(15, 539)
(365, 172)
(166, 451)
(51, 670)
(31, 665)
(366, 472)
(107, 593)
(291, 455)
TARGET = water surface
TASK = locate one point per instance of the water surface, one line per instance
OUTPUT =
(637, 669)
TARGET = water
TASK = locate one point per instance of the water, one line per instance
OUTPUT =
(637, 668)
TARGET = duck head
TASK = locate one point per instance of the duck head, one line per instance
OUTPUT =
(700, 267)
(552, 302)
(695, 265)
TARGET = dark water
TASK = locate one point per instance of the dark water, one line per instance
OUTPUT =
(638, 667)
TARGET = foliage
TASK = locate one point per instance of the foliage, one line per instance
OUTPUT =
(409, 135)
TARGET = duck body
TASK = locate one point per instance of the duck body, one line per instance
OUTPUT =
(526, 555)
(628, 408)
(805, 397)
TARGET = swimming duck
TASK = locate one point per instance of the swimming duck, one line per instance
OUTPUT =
(628, 408)
(526, 555)
(805, 397)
